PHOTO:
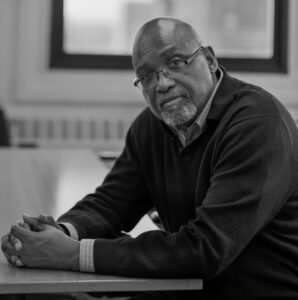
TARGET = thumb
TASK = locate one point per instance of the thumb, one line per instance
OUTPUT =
(33, 222)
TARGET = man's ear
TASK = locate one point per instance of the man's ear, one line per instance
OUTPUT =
(211, 59)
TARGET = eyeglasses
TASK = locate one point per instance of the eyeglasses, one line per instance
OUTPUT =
(172, 69)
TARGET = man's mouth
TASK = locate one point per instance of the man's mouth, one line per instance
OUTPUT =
(170, 102)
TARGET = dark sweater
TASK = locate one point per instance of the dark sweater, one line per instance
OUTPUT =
(228, 202)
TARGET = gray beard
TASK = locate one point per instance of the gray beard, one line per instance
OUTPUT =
(181, 116)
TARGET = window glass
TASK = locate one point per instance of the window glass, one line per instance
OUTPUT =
(235, 28)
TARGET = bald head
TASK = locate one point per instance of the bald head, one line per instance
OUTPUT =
(159, 30)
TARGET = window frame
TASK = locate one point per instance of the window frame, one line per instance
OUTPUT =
(59, 59)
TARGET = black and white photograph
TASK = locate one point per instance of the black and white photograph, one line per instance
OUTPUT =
(148, 149)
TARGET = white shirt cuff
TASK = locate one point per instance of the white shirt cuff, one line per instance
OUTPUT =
(72, 230)
(86, 255)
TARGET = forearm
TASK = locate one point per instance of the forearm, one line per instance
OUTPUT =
(117, 205)
(86, 259)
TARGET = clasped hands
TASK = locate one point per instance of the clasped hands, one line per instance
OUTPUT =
(40, 242)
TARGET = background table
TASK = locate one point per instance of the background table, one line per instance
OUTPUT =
(50, 181)
(45, 181)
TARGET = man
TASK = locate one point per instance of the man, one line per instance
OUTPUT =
(218, 159)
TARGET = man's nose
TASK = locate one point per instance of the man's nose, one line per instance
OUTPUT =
(164, 82)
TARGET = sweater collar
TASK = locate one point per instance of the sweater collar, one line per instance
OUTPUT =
(224, 95)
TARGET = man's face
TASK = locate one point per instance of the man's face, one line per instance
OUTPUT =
(176, 101)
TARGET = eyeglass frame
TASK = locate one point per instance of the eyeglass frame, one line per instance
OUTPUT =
(186, 61)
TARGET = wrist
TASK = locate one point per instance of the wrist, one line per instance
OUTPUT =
(74, 258)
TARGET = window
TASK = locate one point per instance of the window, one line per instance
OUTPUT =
(249, 36)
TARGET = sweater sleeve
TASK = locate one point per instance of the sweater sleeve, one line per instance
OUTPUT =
(117, 204)
(251, 179)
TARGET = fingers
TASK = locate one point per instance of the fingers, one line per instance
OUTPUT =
(19, 231)
(41, 222)
(13, 240)
(33, 222)
(8, 248)
(5, 244)
(10, 243)
(26, 226)
(16, 243)
(19, 263)
(16, 261)
(49, 220)
(5, 238)
(46, 219)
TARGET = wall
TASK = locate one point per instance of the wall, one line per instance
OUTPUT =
(37, 96)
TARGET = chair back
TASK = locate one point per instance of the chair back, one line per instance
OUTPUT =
(4, 133)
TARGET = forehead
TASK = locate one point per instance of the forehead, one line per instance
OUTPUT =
(157, 40)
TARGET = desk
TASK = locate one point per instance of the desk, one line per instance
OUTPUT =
(50, 181)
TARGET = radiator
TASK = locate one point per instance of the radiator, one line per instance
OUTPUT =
(104, 134)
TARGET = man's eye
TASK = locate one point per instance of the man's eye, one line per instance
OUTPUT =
(176, 63)
(147, 76)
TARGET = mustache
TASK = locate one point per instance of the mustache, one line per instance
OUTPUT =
(170, 96)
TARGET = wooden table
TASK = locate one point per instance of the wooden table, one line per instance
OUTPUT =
(50, 181)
